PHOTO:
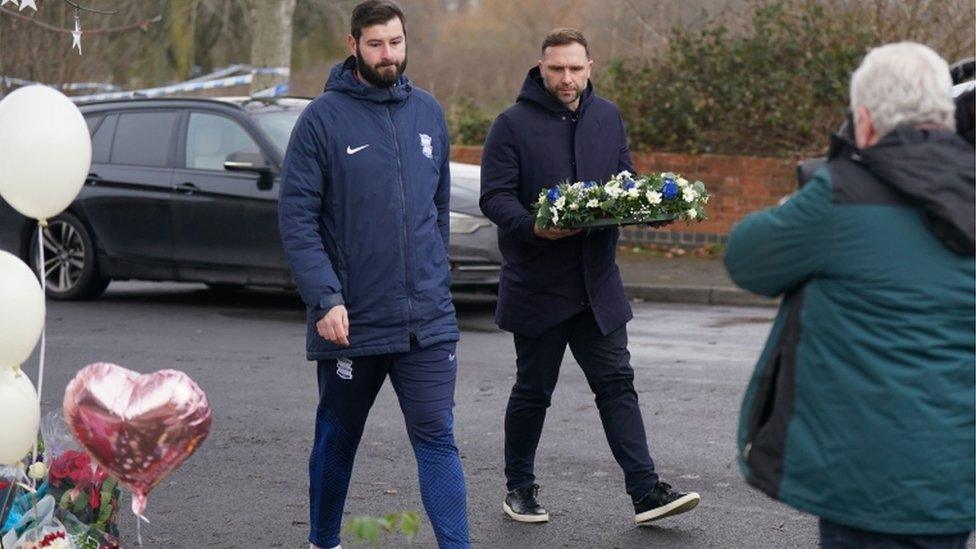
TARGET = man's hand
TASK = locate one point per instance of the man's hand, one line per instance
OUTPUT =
(555, 234)
(334, 326)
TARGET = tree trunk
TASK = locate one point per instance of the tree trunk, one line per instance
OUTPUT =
(271, 31)
(181, 36)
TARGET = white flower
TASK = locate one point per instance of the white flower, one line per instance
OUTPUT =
(689, 194)
(624, 174)
(560, 202)
(633, 193)
(555, 218)
(574, 206)
(614, 191)
(37, 470)
(593, 203)
(692, 213)
(682, 182)
(653, 197)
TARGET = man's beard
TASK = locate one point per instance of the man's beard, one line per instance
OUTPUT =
(554, 92)
(379, 79)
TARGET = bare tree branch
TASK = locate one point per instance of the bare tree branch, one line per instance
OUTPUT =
(142, 25)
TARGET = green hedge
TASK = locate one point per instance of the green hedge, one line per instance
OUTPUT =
(467, 123)
(778, 87)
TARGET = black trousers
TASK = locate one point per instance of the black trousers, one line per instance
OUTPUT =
(605, 361)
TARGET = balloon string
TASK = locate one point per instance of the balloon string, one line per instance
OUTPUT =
(41, 225)
(139, 519)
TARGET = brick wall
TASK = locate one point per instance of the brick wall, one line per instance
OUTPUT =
(467, 155)
(737, 185)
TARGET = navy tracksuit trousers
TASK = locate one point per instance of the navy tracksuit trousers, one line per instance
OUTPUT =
(424, 383)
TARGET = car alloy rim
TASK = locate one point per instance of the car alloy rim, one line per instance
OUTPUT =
(64, 256)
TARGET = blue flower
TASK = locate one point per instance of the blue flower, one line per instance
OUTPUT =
(589, 184)
(669, 191)
(629, 184)
(554, 193)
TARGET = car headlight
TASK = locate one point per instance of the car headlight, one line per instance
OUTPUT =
(465, 224)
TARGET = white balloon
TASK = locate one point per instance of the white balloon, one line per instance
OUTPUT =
(45, 151)
(21, 311)
(20, 415)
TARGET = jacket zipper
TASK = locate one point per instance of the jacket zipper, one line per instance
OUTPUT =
(573, 123)
(406, 231)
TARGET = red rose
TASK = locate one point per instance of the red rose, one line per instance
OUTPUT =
(49, 539)
(62, 467)
(77, 476)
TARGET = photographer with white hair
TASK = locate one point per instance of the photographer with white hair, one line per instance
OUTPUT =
(861, 409)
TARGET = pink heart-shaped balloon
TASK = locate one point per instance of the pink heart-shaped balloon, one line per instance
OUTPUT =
(139, 427)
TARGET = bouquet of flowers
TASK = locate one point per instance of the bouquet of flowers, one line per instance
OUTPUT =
(85, 490)
(625, 199)
(73, 504)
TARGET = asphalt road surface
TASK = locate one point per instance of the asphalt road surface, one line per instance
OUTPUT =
(247, 484)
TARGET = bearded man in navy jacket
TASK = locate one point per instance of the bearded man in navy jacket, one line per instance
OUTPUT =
(561, 287)
(364, 219)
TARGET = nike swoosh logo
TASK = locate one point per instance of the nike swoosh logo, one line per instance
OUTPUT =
(350, 150)
(450, 357)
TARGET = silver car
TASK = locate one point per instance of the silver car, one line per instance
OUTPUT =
(475, 259)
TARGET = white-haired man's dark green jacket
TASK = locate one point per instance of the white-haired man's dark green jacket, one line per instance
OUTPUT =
(861, 409)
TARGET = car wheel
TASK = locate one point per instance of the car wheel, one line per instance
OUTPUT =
(69, 260)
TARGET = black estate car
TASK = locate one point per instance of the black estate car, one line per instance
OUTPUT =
(187, 190)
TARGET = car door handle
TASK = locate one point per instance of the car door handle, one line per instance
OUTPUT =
(187, 188)
(93, 179)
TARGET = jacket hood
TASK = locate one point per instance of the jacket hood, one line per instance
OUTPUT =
(534, 91)
(342, 79)
(934, 169)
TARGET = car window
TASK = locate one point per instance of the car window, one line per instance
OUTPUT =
(102, 140)
(92, 120)
(210, 139)
(143, 138)
(278, 125)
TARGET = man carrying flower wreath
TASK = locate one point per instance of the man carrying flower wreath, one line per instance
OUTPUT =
(561, 287)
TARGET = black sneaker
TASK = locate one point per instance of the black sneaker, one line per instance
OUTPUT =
(662, 502)
(521, 505)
